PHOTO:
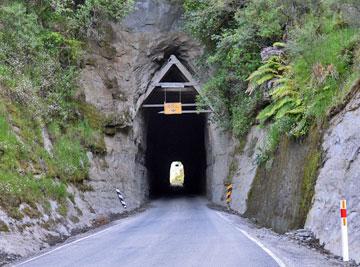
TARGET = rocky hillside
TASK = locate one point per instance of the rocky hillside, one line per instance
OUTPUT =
(83, 136)
(281, 76)
(284, 81)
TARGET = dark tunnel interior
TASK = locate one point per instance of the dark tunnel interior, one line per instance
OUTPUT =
(176, 138)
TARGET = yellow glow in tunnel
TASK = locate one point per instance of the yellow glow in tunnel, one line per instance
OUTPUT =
(177, 174)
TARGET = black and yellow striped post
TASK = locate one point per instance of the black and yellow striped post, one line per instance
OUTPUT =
(229, 189)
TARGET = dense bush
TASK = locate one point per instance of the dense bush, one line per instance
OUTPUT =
(287, 92)
(234, 42)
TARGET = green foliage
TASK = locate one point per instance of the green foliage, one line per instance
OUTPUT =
(10, 148)
(278, 129)
(207, 19)
(320, 40)
(80, 17)
(322, 64)
(37, 64)
(242, 113)
(16, 189)
(234, 34)
(92, 12)
(41, 47)
(321, 59)
(285, 96)
(71, 158)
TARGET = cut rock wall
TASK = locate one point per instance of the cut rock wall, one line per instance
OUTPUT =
(271, 194)
(118, 67)
(118, 70)
(304, 182)
(339, 177)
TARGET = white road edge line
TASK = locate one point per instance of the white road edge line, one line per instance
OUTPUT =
(257, 242)
(63, 246)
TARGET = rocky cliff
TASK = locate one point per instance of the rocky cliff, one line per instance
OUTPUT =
(304, 182)
(309, 174)
(339, 178)
(119, 63)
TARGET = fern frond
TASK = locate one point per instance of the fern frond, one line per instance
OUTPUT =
(284, 110)
(297, 110)
(279, 44)
(251, 88)
(282, 80)
(285, 68)
(264, 79)
(260, 72)
(271, 109)
(283, 90)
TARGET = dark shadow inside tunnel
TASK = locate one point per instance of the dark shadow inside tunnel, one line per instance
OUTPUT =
(175, 138)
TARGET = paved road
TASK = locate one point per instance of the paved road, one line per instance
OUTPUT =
(173, 232)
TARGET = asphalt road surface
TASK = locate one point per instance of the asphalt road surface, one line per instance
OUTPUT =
(172, 232)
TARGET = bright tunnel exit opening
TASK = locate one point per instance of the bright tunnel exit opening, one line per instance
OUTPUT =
(178, 138)
(177, 174)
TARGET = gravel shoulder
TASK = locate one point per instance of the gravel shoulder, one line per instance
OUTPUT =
(292, 251)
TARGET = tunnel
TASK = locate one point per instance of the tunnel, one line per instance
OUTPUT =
(176, 138)
(174, 134)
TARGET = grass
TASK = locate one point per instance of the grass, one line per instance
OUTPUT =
(41, 50)
(16, 189)
(22, 156)
(333, 47)
(72, 163)
(325, 63)
(3, 227)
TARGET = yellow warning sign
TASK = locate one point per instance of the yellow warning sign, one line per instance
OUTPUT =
(172, 108)
(229, 189)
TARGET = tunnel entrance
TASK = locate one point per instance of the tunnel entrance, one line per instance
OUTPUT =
(176, 138)
(175, 130)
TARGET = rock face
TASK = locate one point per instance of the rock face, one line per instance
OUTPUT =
(282, 189)
(41, 228)
(276, 194)
(218, 157)
(119, 67)
(339, 177)
(231, 162)
(244, 168)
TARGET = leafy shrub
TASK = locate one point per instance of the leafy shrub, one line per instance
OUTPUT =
(319, 64)
(234, 33)
(84, 17)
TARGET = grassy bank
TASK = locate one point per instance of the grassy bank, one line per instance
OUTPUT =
(42, 44)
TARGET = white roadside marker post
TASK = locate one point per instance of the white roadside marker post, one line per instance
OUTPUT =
(344, 231)
(121, 198)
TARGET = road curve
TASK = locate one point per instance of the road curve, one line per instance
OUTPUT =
(173, 232)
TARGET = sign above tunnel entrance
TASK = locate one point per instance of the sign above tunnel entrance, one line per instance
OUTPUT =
(173, 90)
(172, 108)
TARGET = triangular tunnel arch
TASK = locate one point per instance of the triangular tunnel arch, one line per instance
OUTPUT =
(174, 74)
(173, 78)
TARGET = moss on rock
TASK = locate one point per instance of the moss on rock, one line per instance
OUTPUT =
(4, 227)
(281, 194)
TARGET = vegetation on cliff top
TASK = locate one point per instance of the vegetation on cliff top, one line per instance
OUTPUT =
(282, 64)
(311, 66)
(41, 48)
